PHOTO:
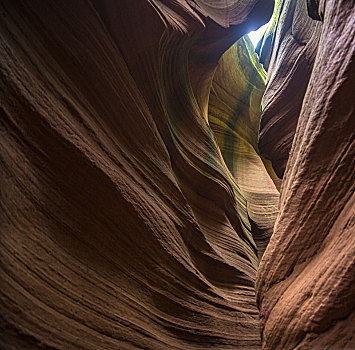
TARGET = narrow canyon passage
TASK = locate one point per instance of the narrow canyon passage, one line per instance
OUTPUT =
(163, 185)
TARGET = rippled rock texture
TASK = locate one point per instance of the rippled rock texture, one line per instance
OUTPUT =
(137, 195)
(288, 52)
(121, 225)
(306, 280)
(234, 116)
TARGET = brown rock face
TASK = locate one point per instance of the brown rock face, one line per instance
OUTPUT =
(289, 51)
(135, 200)
(121, 226)
(306, 280)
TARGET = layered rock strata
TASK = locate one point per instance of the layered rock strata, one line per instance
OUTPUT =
(121, 226)
(234, 116)
(135, 204)
(288, 52)
(306, 280)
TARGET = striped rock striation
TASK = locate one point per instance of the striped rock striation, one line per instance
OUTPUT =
(138, 195)
(234, 116)
(306, 280)
(288, 51)
(121, 225)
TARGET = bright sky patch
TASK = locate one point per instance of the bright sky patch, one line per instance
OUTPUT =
(256, 35)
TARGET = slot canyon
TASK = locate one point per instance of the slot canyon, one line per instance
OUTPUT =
(166, 185)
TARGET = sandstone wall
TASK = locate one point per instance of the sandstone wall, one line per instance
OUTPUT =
(306, 280)
(138, 194)
(121, 226)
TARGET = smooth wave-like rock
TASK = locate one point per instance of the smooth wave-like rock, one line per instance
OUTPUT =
(306, 280)
(137, 194)
(234, 116)
(121, 226)
(288, 52)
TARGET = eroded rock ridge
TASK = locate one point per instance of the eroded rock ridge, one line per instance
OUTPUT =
(140, 180)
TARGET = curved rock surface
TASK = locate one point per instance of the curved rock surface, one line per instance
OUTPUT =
(135, 204)
(306, 280)
(234, 116)
(288, 52)
(121, 226)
